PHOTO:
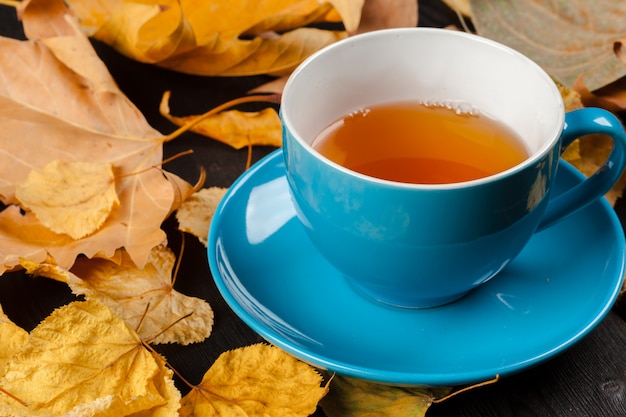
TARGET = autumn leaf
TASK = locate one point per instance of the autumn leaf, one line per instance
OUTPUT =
(84, 360)
(460, 6)
(570, 40)
(74, 198)
(350, 397)
(143, 297)
(382, 14)
(257, 380)
(58, 93)
(12, 337)
(195, 214)
(176, 35)
(235, 128)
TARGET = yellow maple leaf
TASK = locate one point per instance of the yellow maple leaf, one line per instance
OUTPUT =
(12, 337)
(195, 214)
(143, 297)
(257, 380)
(74, 198)
(84, 360)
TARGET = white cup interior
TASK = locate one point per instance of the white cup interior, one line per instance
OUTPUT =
(427, 65)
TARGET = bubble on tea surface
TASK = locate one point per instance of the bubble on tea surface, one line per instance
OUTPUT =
(462, 108)
(362, 111)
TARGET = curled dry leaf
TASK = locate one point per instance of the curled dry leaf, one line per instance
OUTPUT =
(144, 298)
(568, 39)
(84, 360)
(74, 198)
(195, 214)
(235, 128)
(350, 397)
(257, 380)
(58, 90)
(211, 38)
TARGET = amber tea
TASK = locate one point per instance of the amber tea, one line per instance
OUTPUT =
(423, 144)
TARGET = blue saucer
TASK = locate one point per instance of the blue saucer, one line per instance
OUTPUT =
(561, 285)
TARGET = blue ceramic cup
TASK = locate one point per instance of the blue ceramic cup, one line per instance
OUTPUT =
(413, 245)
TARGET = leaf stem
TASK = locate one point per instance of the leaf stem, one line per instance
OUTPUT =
(454, 393)
(182, 378)
(5, 392)
(165, 161)
(168, 327)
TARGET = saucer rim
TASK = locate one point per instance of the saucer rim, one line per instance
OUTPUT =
(409, 378)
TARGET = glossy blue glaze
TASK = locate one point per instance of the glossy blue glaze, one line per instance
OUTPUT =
(558, 288)
(436, 242)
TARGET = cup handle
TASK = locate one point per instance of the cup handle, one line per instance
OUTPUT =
(579, 123)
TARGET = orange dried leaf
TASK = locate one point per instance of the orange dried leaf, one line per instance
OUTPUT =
(235, 128)
(257, 380)
(84, 360)
(208, 38)
(60, 92)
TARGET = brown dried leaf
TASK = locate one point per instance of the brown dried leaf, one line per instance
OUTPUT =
(568, 39)
(350, 397)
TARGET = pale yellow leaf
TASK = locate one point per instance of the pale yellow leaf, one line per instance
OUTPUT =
(257, 380)
(84, 360)
(12, 338)
(195, 214)
(132, 292)
(74, 198)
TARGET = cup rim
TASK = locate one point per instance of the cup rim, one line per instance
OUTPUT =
(530, 161)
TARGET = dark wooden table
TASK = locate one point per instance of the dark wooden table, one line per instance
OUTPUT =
(589, 379)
